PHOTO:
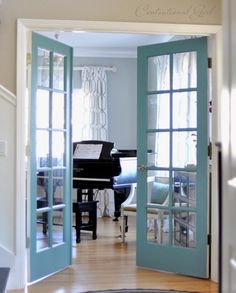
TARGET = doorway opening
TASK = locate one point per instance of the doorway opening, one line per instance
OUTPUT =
(22, 28)
(116, 53)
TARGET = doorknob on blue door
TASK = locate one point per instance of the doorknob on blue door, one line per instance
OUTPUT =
(142, 168)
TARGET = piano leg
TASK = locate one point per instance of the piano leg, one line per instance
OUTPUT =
(78, 222)
(120, 196)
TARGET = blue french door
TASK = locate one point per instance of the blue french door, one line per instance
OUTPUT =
(50, 163)
(172, 150)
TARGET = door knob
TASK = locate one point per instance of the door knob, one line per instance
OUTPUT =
(141, 168)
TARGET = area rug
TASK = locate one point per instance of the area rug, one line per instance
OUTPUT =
(139, 291)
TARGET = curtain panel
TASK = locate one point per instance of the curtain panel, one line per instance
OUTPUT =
(94, 91)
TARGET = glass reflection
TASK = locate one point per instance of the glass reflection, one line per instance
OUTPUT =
(58, 186)
(158, 149)
(157, 226)
(42, 189)
(42, 109)
(158, 111)
(184, 189)
(158, 176)
(184, 229)
(158, 187)
(184, 70)
(57, 228)
(43, 67)
(58, 71)
(184, 150)
(159, 73)
(42, 238)
(158, 194)
(42, 148)
(58, 147)
(185, 110)
(58, 111)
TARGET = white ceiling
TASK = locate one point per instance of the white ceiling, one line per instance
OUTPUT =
(88, 44)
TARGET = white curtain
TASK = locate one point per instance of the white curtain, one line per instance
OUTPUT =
(94, 90)
(90, 119)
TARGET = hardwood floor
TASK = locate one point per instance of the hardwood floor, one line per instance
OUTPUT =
(106, 263)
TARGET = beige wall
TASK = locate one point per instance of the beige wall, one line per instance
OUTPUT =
(168, 11)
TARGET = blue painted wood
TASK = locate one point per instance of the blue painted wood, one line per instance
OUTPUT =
(4, 274)
(182, 260)
(55, 257)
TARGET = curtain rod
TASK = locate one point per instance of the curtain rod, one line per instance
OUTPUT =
(108, 68)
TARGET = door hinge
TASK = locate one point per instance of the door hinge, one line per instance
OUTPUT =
(28, 58)
(209, 150)
(27, 242)
(209, 61)
(209, 239)
(141, 168)
(27, 150)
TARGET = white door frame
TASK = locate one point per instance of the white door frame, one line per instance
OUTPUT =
(24, 29)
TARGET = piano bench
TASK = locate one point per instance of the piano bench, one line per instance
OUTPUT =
(90, 208)
(42, 202)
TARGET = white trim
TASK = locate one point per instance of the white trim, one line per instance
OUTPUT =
(7, 95)
(121, 27)
(216, 96)
(104, 53)
(217, 125)
(28, 25)
(20, 265)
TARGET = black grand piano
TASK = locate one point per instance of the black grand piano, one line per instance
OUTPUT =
(111, 169)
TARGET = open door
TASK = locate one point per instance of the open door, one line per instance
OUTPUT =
(172, 150)
(50, 157)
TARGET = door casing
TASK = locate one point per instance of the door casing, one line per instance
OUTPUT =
(24, 29)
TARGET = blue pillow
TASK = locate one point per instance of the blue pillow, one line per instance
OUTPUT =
(159, 192)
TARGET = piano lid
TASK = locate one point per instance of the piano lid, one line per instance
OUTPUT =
(104, 167)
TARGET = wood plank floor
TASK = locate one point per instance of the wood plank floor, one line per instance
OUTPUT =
(106, 263)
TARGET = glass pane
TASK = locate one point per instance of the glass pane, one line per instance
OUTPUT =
(158, 226)
(184, 149)
(57, 229)
(58, 111)
(158, 187)
(42, 109)
(158, 149)
(43, 67)
(185, 110)
(184, 229)
(184, 189)
(184, 70)
(42, 148)
(58, 71)
(159, 73)
(42, 189)
(58, 186)
(158, 176)
(158, 111)
(58, 147)
(42, 233)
